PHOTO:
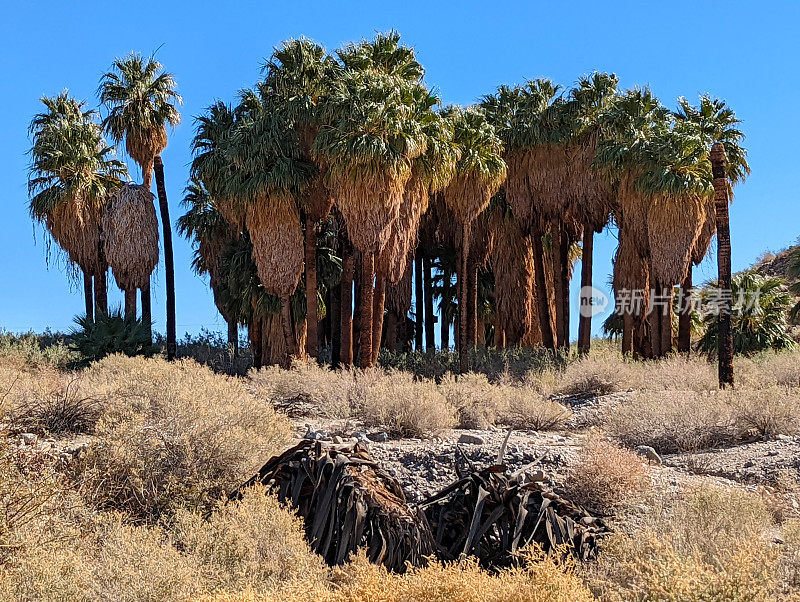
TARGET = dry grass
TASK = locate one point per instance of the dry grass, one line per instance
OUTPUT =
(406, 407)
(172, 435)
(538, 579)
(712, 545)
(253, 544)
(768, 412)
(526, 409)
(477, 402)
(605, 476)
(673, 421)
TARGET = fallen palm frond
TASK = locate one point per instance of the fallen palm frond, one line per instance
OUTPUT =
(492, 515)
(346, 503)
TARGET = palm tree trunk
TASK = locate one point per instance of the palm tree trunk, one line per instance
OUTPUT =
(430, 325)
(88, 296)
(725, 350)
(419, 303)
(365, 309)
(542, 304)
(585, 319)
(130, 304)
(463, 291)
(566, 243)
(100, 294)
(312, 312)
(391, 331)
(666, 321)
(255, 333)
(336, 324)
(233, 337)
(357, 275)
(558, 281)
(444, 326)
(685, 315)
(472, 303)
(169, 267)
(627, 332)
(147, 313)
(288, 331)
(378, 306)
(346, 329)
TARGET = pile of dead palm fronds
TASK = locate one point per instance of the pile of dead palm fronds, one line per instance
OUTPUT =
(347, 502)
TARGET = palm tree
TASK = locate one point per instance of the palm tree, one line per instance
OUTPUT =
(591, 196)
(72, 173)
(368, 143)
(298, 75)
(141, 101)
(480, 171)
(531, 121)
(713, 121)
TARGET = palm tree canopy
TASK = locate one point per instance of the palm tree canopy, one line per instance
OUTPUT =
(70, 161)
(371, 126)
(714, 121)
(141, 101)
(480, 148)
(383, 53)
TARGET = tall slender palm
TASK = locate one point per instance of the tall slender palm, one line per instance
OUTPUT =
(72, 173)
(713, 121)
(141, 101)
(480, 171)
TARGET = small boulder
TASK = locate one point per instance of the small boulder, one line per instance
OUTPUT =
(469, 439)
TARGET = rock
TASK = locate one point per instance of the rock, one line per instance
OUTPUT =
(28, 438)
(649, 453)
(468, 439)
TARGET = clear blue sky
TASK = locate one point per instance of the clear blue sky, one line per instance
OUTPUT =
(747, 54)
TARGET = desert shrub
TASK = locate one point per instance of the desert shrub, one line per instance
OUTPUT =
(594, 375)
(649, 568)
(789, 568)
(770, 412)
(711, 545)
(673, 421)
(605, 476)
(62, 407)
(173, 435)
(327, 391)
(477, 402)
(113, 561)
(528, 409)
(404, 406)
(254, 543)
(539, 578)
(36, 350)
(31, 495)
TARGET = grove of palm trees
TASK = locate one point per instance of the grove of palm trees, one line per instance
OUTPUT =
(398, 408)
